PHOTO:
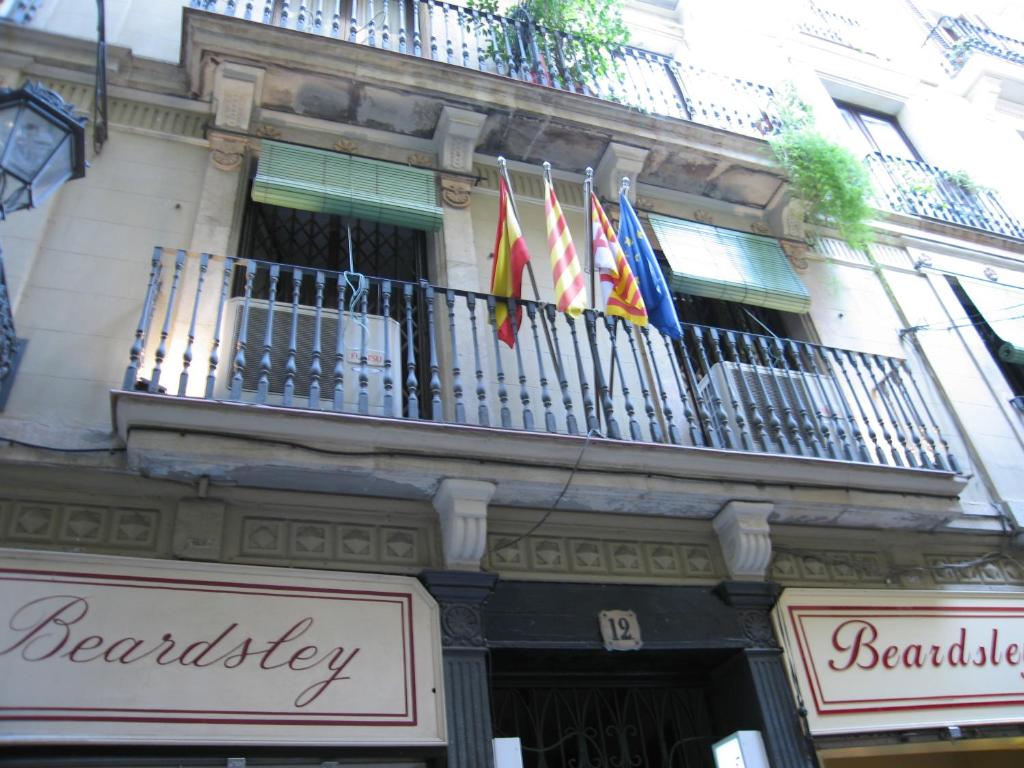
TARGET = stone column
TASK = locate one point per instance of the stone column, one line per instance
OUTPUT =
(467, 690)
(754, 689)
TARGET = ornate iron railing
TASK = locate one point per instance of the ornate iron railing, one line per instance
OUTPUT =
(959, 38)
(10, 346)
(417, 351)
(521, 50)
(826, 24)
(919, 189)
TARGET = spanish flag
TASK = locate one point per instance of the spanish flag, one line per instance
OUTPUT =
(570, 294)
(510, 257)
(618, 286)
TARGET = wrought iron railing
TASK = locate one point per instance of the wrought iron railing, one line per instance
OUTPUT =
(8, 338)
(919, 189)
(521, 50)
(827, 24)
(333, 341)
(20, 11)
(959, 38)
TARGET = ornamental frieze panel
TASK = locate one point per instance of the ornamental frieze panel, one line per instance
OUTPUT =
(83, 526)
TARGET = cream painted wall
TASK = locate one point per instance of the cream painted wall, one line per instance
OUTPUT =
(80, 304)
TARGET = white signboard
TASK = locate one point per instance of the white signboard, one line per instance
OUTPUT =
(106, 649)
(871, 661)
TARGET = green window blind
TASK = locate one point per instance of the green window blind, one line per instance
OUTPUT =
(724, 264)
(328, 182)
(1003, 310)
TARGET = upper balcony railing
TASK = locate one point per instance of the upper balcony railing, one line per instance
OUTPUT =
(327, 341)
(959, 39)
(517, 48)
(919, 189)
(826, 24)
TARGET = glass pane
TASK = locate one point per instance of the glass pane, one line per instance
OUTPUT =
(7, 117)
(887, 137)
(31, 143)
(859, 142)
(54, 173)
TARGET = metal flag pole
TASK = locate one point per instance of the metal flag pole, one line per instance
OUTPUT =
(588, 213)
(503, 170)
(648, 370)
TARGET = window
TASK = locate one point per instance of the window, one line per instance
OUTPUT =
(1001, 316)
(875, 132)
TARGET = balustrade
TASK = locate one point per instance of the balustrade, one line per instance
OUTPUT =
(248, 331)
(516, 48)
(959, 38)
(919, 189)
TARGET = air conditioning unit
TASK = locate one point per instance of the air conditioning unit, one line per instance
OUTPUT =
(378, 330)
(755, 386)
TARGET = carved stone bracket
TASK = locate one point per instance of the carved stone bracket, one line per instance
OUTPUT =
(455, 191)
(237, 91)
(745, 538)
(797, 254)
(617, 161)
(462, 507)
(227, 152)
(455, 138)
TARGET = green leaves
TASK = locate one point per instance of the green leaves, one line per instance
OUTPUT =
(829, 178)
(596, 26)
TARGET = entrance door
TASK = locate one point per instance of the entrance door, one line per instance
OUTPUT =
(603, 712)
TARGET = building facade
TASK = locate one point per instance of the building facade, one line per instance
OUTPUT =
(274, 492)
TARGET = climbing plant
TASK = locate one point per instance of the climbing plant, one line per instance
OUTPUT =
(828, 177)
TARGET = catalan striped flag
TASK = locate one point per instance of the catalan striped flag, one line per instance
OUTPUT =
(510, 257)
(619, 288)
(570, 292)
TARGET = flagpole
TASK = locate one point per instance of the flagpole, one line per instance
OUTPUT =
(588, 226)
(651, 381)
(503, 170)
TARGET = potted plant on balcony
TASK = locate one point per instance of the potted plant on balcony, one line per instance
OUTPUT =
(573, 37)
(829, 178)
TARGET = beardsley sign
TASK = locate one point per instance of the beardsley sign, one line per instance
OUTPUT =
(112, 649)
(868, 661)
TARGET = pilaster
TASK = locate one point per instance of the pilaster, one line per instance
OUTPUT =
(461, 597)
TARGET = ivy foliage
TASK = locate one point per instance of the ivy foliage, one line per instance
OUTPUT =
(829, 178)
(595, 27)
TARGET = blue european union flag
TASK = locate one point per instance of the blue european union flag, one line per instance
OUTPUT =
(661, 311)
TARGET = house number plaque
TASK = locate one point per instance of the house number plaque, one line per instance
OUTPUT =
(620, 630)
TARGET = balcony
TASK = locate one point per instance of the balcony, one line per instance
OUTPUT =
(958, 39)
(827, 24)
(366, 378)
(918, 189)
(515, 48)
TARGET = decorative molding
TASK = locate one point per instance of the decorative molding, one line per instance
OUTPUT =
(198, 529)
(825, 566)
(797, 254)
(757, 628)
(348, 146)
(455, 191)
(268, 132)
(227, 152)
(462, 626)
(992, 572)
(704, 217)
(760, 228)
(745, 538)
(342, 545)
(420, 160)
(85, 526)
(647, 560)
(462, 507)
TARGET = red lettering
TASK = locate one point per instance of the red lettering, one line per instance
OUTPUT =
(958, 656)
(208, 645)
(864, 635)
(111, 653)
(890, 657)
(296, 630)
(1012, 654)
(936, 656)
(69, 610)
(313, 692)
(912, 656)
(982, 657)
(994, 655)
(87, 643)
(301, 655)
(167, 639)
